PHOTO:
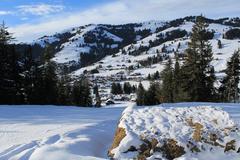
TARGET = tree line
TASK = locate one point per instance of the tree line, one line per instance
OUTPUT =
(25, 80)
(126, 88)
(194, 80)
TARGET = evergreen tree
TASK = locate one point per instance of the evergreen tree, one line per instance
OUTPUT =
(45, 82)
(141, 95)
(28, 69)
(156, 75)
(50, 78)
(219, 44)
(127, 88)
(116, 88)
(10, 79)
(5, 36)
(177, 88)
(134, 88)
(97, 96)
(149, 77)
(64, 90)
(151, 95)
(197, 67)
(81, 94)
(229, 90)
(86, 93)
(167, 82)
(36, 93)
(119, 88)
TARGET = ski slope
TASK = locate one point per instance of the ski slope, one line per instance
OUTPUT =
(66, 133)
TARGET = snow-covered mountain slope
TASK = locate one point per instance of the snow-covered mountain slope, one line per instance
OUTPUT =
(121, 62)
(132, 52)
(71, 49)
(96, 39)
(67, 133)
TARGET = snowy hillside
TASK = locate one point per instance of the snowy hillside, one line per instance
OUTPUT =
(102, 40)
(120, 62)
(99, 39)
(134, 52)
(63, 133)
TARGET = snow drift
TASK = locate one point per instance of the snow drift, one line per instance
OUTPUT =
(198, 133)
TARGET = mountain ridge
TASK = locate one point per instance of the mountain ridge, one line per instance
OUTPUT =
(84, 47)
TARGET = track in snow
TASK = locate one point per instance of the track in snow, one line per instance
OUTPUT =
(63, 133)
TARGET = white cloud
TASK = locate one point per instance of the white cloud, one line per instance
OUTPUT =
(40, 9)
(124, 11)
(5, 13)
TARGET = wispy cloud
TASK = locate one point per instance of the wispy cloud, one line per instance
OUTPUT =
(5, 12)
(40, 9)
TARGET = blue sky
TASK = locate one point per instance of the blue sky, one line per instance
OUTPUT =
(14, 12)
(31, 19)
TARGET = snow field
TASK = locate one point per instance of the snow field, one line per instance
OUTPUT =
(75, 133)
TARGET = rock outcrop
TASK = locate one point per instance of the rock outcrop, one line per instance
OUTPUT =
(167, 134)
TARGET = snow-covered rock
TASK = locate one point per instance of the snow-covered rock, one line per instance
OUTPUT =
(198, 133)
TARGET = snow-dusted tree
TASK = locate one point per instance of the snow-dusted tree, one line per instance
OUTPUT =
(97, 96)
(178, 92)
(81, 93)
(5, 36)
(116, 88)
(168, 82)
(197, 67)
(140, 95)
(127, 88)
(229, 90)
(219, 44)
(64, 90)
(45, 81)
(151, 95)
(10, 79)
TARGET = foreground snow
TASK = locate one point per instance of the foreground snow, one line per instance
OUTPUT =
(56, 133)
(66, 133)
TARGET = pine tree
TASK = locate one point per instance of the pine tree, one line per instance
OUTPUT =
(45, 79)
(197, 67)
(36, 93)
(114, 88)
(50, 78)
(97, 96)
(10, 79)
(127, 88)
(81, 93)
(167, 82)
(230, 84)
(86, 92)
(149, 77)
(156, 75)
(140, 95)
(77, 94)
(151, 95)
(134, 88)
(64, 90)
(119, 88)
(5, 36)
(28, 69)
(178, 94)
(219, 44)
